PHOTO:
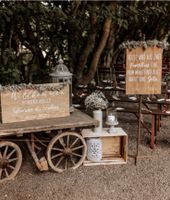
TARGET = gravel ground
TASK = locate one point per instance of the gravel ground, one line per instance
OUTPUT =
(149, 180)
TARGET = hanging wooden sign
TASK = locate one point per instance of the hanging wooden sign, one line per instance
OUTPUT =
(143, 70)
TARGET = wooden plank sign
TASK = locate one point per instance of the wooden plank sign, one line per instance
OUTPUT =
(143, 70)
(32, 104)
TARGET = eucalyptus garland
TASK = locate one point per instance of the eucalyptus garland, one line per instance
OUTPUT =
(145, 44)
(39, 87)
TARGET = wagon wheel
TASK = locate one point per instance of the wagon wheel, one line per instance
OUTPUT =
(10, 160)
(67, 150)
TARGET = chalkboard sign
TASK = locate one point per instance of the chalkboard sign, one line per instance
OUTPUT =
(32, 103)
(143, 70)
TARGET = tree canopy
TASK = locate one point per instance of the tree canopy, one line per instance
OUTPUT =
(87, 35)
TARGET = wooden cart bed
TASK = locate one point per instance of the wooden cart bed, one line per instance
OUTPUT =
(75, 120)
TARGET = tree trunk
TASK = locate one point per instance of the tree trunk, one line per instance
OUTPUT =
(88, 48)
(96, 56)
(110, 44)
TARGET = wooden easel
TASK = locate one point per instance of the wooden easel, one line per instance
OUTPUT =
(143, 76)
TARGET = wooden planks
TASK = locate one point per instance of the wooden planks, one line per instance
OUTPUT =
(104, 161)
(143, 70)
(111, 147)
(76, 119)
(31, 104)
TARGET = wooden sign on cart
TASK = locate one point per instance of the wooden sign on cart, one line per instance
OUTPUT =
(34, 102)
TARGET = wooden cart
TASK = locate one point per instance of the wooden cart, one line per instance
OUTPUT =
(54, 142)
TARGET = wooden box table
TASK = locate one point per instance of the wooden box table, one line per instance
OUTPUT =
(114, 146)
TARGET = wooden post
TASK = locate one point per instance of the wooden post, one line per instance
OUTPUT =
(139, 129)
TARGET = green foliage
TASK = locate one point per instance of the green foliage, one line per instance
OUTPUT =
(33, 34)
(9, 71)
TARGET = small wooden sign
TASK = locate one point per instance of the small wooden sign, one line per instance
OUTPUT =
(32, 104)
(144, 70)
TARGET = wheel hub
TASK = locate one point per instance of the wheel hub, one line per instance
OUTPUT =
(3, 163)
(67, 151)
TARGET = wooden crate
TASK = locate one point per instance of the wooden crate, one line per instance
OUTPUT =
(34, 102)
(114, 147)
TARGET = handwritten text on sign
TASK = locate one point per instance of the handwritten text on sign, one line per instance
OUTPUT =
(31, 104)
(143, 70)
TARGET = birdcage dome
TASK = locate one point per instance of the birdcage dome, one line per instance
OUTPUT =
(61, 71)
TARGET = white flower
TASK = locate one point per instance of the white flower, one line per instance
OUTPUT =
(96, 100)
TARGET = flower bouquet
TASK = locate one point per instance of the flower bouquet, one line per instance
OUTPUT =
(96, 100)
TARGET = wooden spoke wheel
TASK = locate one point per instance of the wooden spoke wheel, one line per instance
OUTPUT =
(10, 160)
(67, 150)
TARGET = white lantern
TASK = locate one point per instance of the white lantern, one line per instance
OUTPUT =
(94, 149)
(61, 74)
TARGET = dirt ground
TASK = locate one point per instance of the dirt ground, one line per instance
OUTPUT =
(149, 180)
